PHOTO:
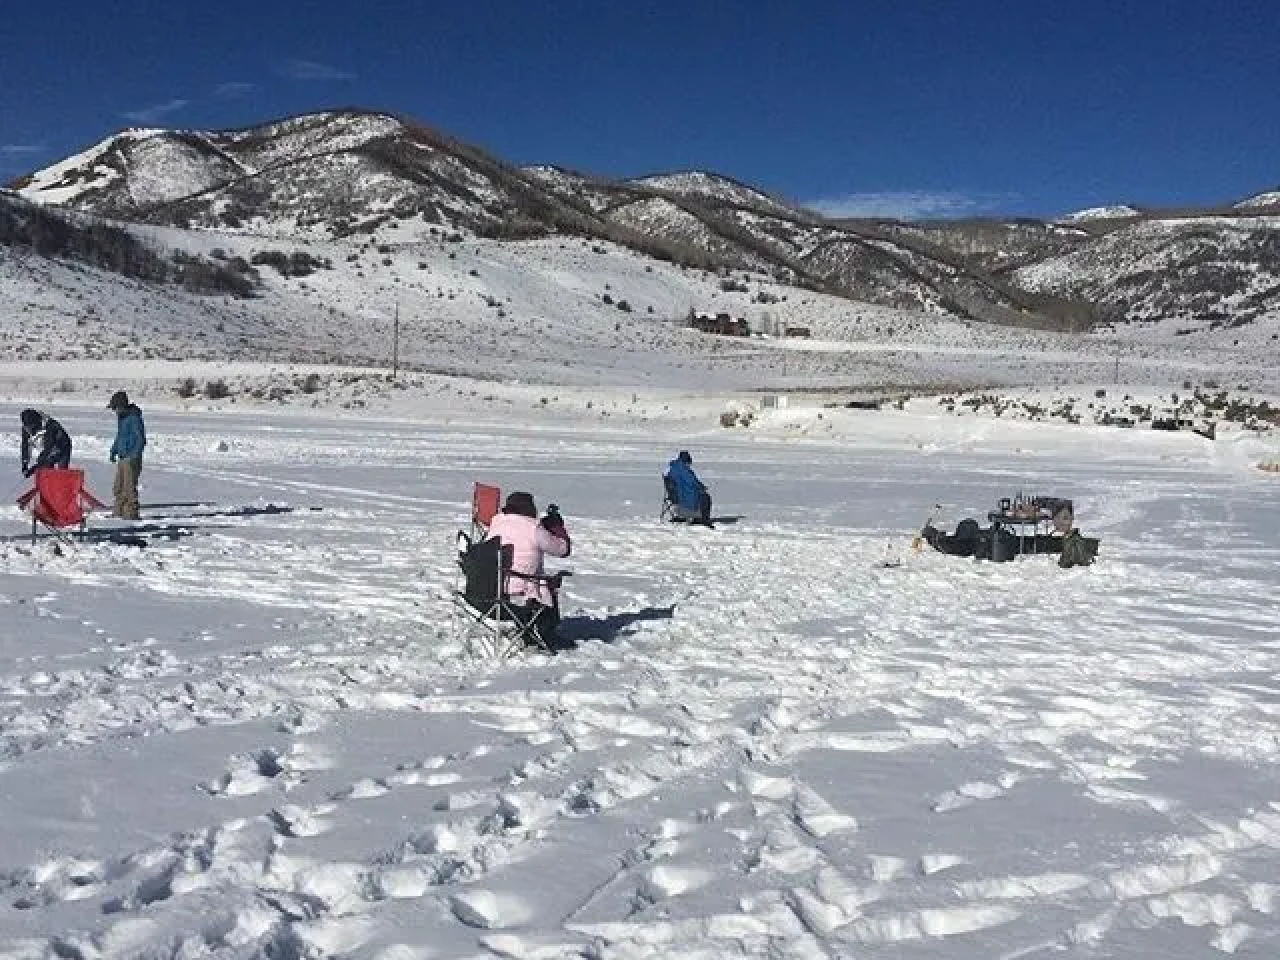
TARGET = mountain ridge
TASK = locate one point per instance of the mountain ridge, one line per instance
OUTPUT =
(351, 170)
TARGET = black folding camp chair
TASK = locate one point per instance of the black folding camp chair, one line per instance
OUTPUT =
(499, 626)
(673, 510)
(668, 498)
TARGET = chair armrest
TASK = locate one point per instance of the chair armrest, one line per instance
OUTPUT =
(541, 577)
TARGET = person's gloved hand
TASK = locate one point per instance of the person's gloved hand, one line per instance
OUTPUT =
(28, 471)
(552, 521)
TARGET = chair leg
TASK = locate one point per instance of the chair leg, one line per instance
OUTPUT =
(501, 632)
(472, 631)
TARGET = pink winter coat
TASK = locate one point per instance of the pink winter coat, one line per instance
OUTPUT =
(530, 542)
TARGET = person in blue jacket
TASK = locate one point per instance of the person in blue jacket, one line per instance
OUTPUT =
(126, 454)
(691, 494)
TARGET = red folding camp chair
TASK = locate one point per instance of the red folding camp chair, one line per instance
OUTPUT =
(485, 501)
(58, 500)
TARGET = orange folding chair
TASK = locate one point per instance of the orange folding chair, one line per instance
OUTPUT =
(58, 500)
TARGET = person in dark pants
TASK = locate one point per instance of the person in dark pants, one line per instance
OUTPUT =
(691, 494)
(46, 437)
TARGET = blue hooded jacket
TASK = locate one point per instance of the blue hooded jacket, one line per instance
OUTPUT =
(689, 488)
(131, 435)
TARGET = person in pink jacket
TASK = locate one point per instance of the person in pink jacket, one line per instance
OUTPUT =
(531, 539)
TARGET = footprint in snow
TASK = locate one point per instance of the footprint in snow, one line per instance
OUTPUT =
(250, 773)
(364, 789)
(56, 880)
(932, 863)
(972, 792)
(665, 881)
(488, 910)
(423, 778)
(295, 821)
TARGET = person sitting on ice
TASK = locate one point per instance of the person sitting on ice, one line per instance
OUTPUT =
(531, 540)
(47, 437)
(690, 495)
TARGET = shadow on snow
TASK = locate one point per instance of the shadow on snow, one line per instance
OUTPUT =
(574, 630)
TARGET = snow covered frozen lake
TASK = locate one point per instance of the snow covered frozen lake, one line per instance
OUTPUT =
(264, 740)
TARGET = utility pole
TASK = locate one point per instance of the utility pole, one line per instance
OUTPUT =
(395, 342)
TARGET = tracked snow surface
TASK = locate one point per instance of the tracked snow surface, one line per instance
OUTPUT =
(262, 735)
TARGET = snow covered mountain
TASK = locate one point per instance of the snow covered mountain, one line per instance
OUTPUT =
(347, 172)
(354, 173)
(334, 172)
(1216, 272)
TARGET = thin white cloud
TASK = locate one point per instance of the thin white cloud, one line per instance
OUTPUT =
(902, 204)
(156, 112)
(15, 156)
(20, 149)
(310, 70)
(233, 88)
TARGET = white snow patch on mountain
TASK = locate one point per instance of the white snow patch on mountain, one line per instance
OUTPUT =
(1100, 213)
(1269, 199)
(64, 181)
(699, 183)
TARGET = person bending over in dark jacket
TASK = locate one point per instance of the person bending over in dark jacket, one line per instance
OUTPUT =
(46, 437)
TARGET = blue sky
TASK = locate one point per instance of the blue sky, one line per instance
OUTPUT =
(920, 107)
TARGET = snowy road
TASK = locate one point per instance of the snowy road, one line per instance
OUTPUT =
(263, 740)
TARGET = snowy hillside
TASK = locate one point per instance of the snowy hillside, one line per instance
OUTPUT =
(112, 176)
(700, 184)
(1186, 274)
(597, 195)
(995, 245)
(559, 311)
(332, 172)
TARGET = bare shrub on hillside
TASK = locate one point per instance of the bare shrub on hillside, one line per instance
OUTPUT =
(80, 238)
(299, 263)
(205, 276)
